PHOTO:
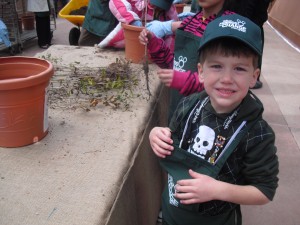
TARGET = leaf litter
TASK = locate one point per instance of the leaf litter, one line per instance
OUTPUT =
(75, 86)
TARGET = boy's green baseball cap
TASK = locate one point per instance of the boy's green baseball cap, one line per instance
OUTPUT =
(233, 26)
(163, 4)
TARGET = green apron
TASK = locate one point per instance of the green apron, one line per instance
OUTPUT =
(177, 166)
(185, 58)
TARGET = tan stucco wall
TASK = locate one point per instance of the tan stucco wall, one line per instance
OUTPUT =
(284, 16)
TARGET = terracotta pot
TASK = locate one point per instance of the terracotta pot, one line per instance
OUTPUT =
(23, 100)
(28, 22)
(134, 50)
(179, 7)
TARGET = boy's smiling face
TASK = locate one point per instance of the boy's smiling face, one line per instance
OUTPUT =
(227, 79)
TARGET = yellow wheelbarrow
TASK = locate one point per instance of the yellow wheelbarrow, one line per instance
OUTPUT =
(77, 20)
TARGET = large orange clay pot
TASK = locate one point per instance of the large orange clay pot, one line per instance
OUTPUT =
(23, 100)
(134, 50)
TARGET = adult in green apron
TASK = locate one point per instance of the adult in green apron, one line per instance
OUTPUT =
(97, 24)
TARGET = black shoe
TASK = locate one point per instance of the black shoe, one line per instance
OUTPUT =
(257, 85)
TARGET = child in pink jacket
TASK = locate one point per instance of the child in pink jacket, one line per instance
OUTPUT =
(132, 12)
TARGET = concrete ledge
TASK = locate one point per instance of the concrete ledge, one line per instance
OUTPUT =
(91, 165)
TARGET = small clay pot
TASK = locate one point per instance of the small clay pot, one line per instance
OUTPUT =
(134, 50)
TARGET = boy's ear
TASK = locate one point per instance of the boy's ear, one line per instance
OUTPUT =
(254, 77)
(200, 72)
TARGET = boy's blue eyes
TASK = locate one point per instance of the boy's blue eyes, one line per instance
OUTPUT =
(216, 66)
(240, 69)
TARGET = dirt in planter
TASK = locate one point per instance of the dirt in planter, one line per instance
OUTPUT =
(79, 12)
(74, 86)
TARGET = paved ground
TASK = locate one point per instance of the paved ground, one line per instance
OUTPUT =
(280, 95)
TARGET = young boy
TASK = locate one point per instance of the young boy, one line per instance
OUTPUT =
(218, 152)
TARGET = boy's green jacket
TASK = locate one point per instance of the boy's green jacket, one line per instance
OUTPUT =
(252, 161)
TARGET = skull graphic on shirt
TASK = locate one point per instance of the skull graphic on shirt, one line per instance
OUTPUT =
(203, 142)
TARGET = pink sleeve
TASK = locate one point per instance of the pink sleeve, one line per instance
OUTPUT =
(122, 10)
(160, 53)
(186, 82)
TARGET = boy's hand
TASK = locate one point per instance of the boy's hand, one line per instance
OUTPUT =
(160, 141)
(166, 76)
(145, 36)
(202, 188)
(196, 190)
